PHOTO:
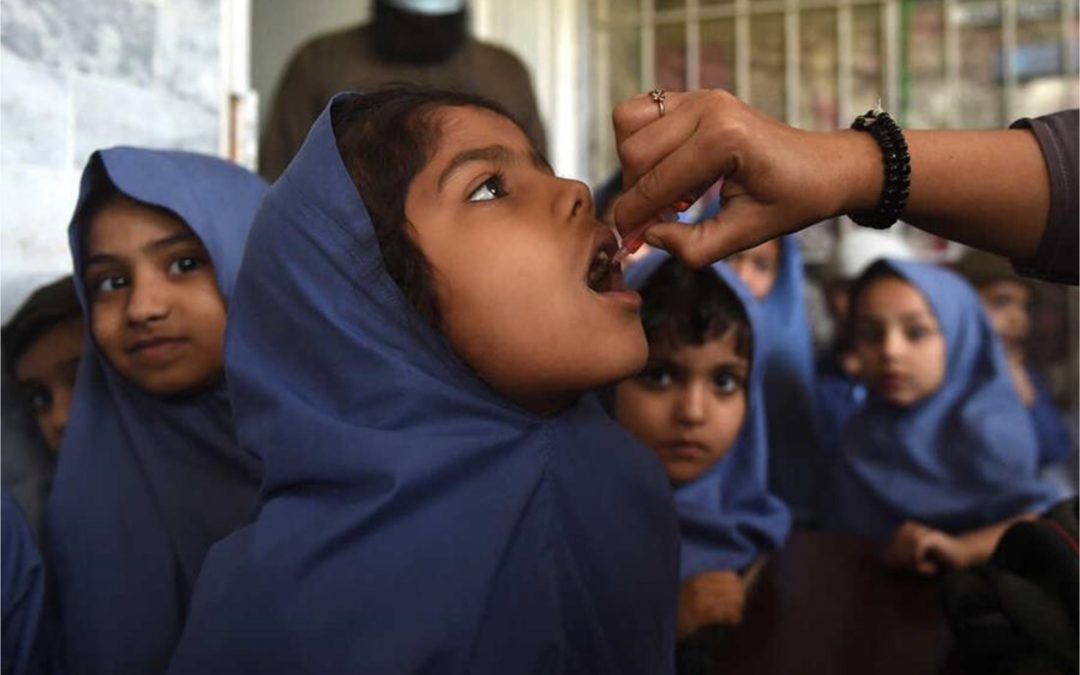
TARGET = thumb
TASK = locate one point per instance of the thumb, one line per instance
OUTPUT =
(737, 227)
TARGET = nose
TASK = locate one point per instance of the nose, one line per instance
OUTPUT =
(690, 408)
(147, 301)
(576, 199)
(892, 344)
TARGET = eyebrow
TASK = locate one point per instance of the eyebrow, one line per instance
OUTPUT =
(164, 242)
(500, 154)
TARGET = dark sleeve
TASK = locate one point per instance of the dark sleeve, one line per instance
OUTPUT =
(1057, 257)
(295, 108)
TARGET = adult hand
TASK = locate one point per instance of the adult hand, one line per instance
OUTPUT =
(710, 598)
(777, 179)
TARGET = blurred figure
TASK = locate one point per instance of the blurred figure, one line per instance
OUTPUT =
(838, 390)
(22, 597)
(1007, 299)
(416, 41)
(42, 345)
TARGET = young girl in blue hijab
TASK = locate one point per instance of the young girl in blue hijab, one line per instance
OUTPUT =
(941, 459)
(698, 405)
(421, 309)
(773, 272)
(150, 473)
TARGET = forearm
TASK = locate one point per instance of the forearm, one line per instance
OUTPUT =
(988, 189)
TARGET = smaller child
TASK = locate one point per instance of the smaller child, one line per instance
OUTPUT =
(941, 459)
(1007, 299)
(698, 405)
(42, 345)
(758, 267)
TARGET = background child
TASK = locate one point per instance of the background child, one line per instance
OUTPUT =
(1007, 299)
(773, 272)
(942, 458)
(440, 496)
(150, 474)
(697, 404)
(42, 344)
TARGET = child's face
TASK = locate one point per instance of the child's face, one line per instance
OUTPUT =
(155, 308)
(511, 246)
(898, 342)
(1006, 303)
(687, 405)
(758, 267)
(46, 373)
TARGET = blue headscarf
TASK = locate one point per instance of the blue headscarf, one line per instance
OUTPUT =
(22, 600)
(727, 516)
(963, 458)
(145, 485)
(413, 520)
(795, 461)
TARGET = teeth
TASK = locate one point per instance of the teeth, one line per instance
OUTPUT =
(600, 267)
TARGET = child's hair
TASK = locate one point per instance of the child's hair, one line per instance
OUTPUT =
(877, 271)
(681, 306)
(46, 307)
(385, 138)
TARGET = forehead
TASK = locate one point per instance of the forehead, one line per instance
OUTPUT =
(1005, 287)
(464, 127)
(124, 224)
(60, 342)
(711, 353)
(891, 296)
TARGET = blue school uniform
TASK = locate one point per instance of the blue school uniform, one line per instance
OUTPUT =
(413, 520)
(838, 397)
(1055, 442)
(964, 458)
(144, 484)
(22, 598)
(796, 467)
(727, 516)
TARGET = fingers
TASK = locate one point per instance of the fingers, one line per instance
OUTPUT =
(695, 162)
(632, 115)
(742, 224)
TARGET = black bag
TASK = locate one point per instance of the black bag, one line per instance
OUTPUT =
(1017, 614)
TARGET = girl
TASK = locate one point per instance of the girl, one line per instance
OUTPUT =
(150, 474)
(941, 458)
(773, 272)
(439, 496)
(698, 405)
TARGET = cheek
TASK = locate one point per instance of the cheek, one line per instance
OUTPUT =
(106, 324)
(932, 364)
(644, 414)
(729, 419)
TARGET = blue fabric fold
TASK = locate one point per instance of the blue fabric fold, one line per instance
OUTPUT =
(728, 517)
(413, 520)
(963, 458)
(145, 485)
(25, 632)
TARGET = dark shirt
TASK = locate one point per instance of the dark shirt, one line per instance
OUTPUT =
(1059, 251)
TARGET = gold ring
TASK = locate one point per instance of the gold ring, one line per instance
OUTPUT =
(658, 96)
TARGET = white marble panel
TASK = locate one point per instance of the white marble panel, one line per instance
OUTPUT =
(38, 203)
(35, 105)
(188, 51)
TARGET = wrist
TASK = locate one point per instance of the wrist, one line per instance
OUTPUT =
(858, 171)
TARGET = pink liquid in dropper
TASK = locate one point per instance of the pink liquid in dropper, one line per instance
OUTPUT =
(629, 244)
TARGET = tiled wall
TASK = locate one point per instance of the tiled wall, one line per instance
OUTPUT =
(77, 75)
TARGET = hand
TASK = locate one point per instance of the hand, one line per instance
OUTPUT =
(777, 179)
(710, 598)
(925, 550)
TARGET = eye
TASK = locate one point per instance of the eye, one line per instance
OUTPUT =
(185, 265)
(492, 188)
(727, 383)
(916, 333)
(657, 377)
(40, 401)
(109, 284)
(763, 265)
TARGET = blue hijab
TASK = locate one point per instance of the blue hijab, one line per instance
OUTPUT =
(145, 485)
(727, 516)
(24, 644)
(413, 520)
(795, 461)
(963, 458)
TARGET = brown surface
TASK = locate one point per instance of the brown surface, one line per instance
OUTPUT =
(825, 604)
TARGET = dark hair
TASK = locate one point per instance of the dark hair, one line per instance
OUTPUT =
(46, 307)
(682, 306)
(877, 271)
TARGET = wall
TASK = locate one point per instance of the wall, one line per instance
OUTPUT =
(77, 76)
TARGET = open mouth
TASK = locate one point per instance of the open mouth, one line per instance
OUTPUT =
(603, 275)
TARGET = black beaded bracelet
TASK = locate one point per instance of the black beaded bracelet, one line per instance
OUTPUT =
(897, 163)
